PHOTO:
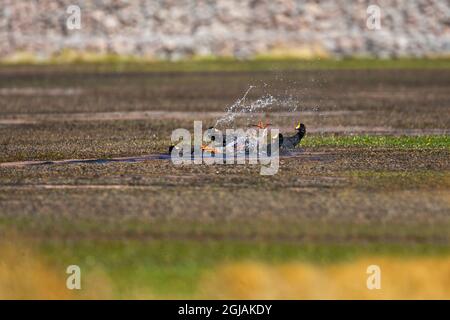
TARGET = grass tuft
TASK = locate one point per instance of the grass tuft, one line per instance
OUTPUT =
(398, 142)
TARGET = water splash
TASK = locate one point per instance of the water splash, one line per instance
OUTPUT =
(267, 102)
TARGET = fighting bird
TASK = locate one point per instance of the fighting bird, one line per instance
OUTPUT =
(285, 143)
(292, 141)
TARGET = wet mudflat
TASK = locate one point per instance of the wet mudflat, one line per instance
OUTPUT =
(85, 178)
(95, 140)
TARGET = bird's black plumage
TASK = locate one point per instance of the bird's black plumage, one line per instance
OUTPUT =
(284, 142)
(292, 141)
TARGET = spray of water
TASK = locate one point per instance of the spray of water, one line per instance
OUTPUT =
(250, 108)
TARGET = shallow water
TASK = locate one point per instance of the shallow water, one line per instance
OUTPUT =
(151, 157)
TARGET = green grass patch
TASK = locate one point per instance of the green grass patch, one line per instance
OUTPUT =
(118, 63)
(369, 141)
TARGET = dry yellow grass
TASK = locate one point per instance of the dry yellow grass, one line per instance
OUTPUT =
(25, 275)
(418, 278)
(302, 52)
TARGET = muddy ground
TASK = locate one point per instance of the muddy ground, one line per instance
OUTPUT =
(358, 194)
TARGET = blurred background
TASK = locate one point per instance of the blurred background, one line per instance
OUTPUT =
(225, 28)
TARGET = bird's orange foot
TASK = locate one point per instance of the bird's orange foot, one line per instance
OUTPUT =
(261, 125)
(209, 149)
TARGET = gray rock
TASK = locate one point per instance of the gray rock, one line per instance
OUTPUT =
(175, 29)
